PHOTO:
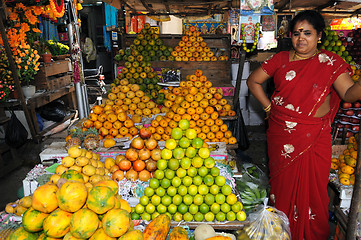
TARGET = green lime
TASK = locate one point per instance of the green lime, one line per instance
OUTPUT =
(150, 208)
(156, 200)
(161, 208)
(203, 208)
(176, 182)
(209, 162)
(215, 171)
(226, 190)
(182, 190)
(215, 208)
(159, 174)
(203, 189)
(177, 199)
(160, 191)
(197, 180)
(144, 200)
(186, 163)
(188, 217)
(231, 216)
(241, 216)
(220, 180)
(198, 199)
(220, 198)
(221, 216)
(165, 183)
(135, 216)
(173, 164)
(162, 164)
(146, 216)
(209, 199)
(181, 172)
(187, 181)
(182, 208)
(193, 209)
(238, 206)
(193, 190)
(154, 183)
(209, 216)
(139, 208)
(225, 207)
(148, 191)
(197, 162)
(172, 208)
(198, 217)
(177, 217)
(202, 171)
(169, 174)
(188, 199)
(171, 191)
(192, 171)
(208, 180)
(166, 200)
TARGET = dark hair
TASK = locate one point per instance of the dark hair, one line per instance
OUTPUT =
(313, 17)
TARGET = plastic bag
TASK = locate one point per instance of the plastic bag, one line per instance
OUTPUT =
(266, 223)
(54, 111)
(16, 134)
(252, 186)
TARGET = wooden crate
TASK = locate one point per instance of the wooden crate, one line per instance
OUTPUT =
(52, 76)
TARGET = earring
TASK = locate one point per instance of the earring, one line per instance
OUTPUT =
(319, 40)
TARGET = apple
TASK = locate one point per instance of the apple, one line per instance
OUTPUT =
(349, 112)
(349, 134)
(346, 105)
(356, 128)
(354, 120)
(339, 125)
(344, 119)
(145, 133)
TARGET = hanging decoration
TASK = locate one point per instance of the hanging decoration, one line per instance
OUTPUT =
(58, 10)
(260, 7)
(248, 32)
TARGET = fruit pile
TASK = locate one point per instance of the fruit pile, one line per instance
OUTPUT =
(139, 161)
(19, 206)
(192, 47)
(334, 43)
(81, 164)
(187, 185)
(111, 119)
(198, 102)
(346, 162)
(89, 138)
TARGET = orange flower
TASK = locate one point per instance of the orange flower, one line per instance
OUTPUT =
(38, 10)
(25, 27)
(37, 30)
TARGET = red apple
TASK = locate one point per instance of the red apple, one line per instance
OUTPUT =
(349, 112)
(346, 105)
(356, 128)
(354, 120)
(356, 104)
(145, 133)
(349, 134)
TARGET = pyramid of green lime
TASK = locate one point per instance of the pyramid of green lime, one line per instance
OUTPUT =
(187, 185)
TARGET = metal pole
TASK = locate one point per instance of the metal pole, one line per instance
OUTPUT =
(78, 91)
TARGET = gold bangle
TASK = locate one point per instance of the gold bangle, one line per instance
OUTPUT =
(268, 108)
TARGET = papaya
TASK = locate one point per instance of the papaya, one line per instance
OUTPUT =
(132, 235)
(348, 169)
(73, 175)
(72, 196)
(83, 223)
(22, 234)
(109, 183)
(68, 236)
(178, 233)
(219, 238)
(101, 235)
(33, 220)
(158, 228)
(44, 198)
(44, 237)
(100, 199)
(57, 224)
(116, 222)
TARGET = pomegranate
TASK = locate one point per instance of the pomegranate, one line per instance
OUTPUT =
(119, 158)
(131, 174)
(118, 175)
(151, 165)
(125, 165)
(151, 143)
(156, 154)
(144, 176)
(144, 154)
(139, 165)
(137, 143)
(132, 154)
(145, 133)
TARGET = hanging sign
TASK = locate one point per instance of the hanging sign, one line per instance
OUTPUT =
(345, 24)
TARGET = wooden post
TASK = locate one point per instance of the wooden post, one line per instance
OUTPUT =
(356, 197)
(14, 71)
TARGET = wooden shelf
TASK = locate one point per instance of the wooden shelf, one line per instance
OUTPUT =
(47, 97)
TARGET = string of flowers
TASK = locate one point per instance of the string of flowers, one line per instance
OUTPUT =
(58, 10)
(255, 37)
(6, 80)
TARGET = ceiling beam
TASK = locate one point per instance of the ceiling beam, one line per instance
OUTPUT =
(356, 12)
(330, 3)
(281, 5)
(198, 13)
(196, 2)
(128, 6)
(166, 4)
(147, 6)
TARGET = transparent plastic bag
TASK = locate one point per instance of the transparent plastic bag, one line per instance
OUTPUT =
(252, 186)
(266, 223)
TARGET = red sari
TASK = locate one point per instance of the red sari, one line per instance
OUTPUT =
(299, 144)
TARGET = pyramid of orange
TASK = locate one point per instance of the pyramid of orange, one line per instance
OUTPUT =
(192, 47)
(200, 103)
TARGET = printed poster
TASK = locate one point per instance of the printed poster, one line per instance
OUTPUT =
(249, 23)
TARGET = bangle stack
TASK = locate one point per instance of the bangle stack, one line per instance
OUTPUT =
(268, 108)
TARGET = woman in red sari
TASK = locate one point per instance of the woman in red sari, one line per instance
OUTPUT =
(308, 86)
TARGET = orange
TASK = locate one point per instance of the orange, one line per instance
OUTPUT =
(157, 136)
(192, 124)
(185, 104)
(163, 123)
(108, 125)
(172, 124)
(133, 130)
(195, 117)
(227, 107)
(224, 140)
(159, 130)
(215, 115)
(218, 107)
(151, 129)
(199, 110)
(206, 129)
(214, 128)
(228, 134)
(194, 104)
(207, 84)
(114, 132)
(222, 101)
(198, 130)
(204, 116)
(209, 122)
(187, 116)
(168, 131)
(232, 140)
(189, 98)
(209, 110)
(208, 96)
(181, 111)
(165, 137)
(98, 124)
(128, 123)
(154, 123)
(170, 115)
(223, 127)
(219, 135)
(200, 123)
(177, 117)
(202, 135)
(204, 103)
(191, 111)
(123, 130)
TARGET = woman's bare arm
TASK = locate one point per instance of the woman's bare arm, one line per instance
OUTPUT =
(254, 83)
(347, 89)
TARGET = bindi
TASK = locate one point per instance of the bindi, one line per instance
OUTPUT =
(300, 29)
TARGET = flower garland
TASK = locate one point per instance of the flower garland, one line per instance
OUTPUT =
(58, 11)
(256, 36)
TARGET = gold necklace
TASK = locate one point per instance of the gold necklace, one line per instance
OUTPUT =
(303, 58)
